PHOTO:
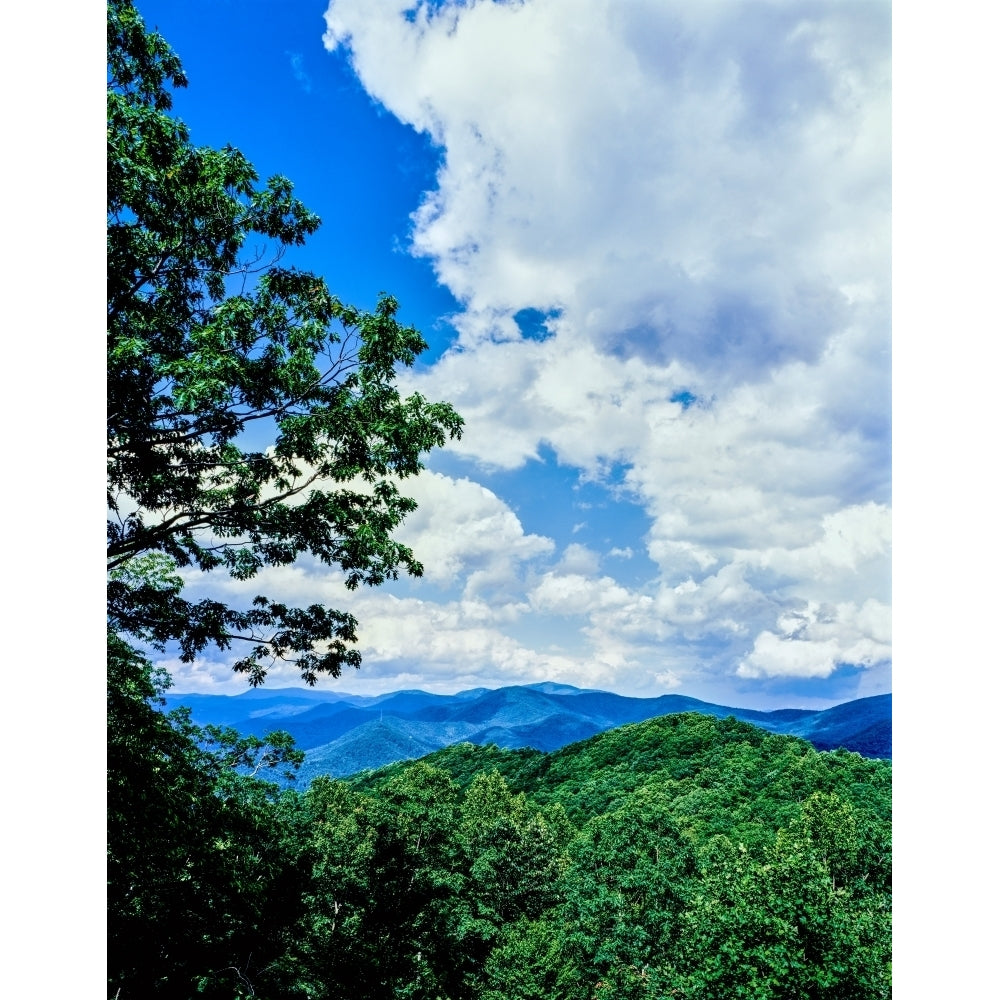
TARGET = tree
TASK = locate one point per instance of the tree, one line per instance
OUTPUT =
(205, 876)
(513, 859)
(213, 349)
(776, 925)
(386, 904)
(211, 346)
(515, 865)
(631, 872)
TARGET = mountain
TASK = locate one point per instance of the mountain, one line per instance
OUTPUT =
(551, 733)
(345, 733)
(842, 722)
(318, 726)
(370, 745)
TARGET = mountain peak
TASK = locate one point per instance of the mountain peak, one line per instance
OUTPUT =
(342, 734)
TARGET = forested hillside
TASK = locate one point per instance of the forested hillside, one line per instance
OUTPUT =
(685, 856)
(343, 733)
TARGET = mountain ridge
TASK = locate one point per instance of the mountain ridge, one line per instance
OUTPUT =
(344, 733)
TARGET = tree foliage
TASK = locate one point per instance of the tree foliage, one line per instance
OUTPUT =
(204, 865)
(253, 419)
(704, 858)
(409, 883)
(215, 346)
(696, 858)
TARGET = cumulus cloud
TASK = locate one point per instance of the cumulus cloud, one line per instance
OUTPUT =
(703, 180)
(813, 642)
(578, 558)
(461, 531)
(695, 197)
(573, 594)
(463, 534)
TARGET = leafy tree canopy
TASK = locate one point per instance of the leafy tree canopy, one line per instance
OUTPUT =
(213, 344)
(203, 866)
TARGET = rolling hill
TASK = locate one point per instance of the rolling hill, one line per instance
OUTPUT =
(344, 733)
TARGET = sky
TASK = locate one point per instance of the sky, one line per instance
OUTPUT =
(650, 249)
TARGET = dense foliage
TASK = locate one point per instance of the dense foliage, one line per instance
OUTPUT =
(686, 856)
(203, 862)
(213, 348)
(252, 418)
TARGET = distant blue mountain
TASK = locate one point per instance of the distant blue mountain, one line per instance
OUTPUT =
(551, 733)
(550, 687)
(344, 733)
(313, 728)
(373, 744)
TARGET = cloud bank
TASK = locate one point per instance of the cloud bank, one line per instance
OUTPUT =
(667, 225)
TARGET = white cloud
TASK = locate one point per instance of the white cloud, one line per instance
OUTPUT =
(851, 553)
(573, 594)
(461, 639)
(707, 177)
(814, 641)
(579, 559)
(564, 391)
(462, 533)
(462, 530)
(667, 679)
(699, 193)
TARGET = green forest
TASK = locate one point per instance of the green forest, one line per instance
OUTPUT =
(686, 856)
(683, 857)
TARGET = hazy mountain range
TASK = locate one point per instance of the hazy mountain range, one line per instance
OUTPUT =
(343, 733)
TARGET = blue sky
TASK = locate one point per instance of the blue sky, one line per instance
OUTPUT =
(650, 251)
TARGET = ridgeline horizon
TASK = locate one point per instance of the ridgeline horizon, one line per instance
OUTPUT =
(343, 733)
